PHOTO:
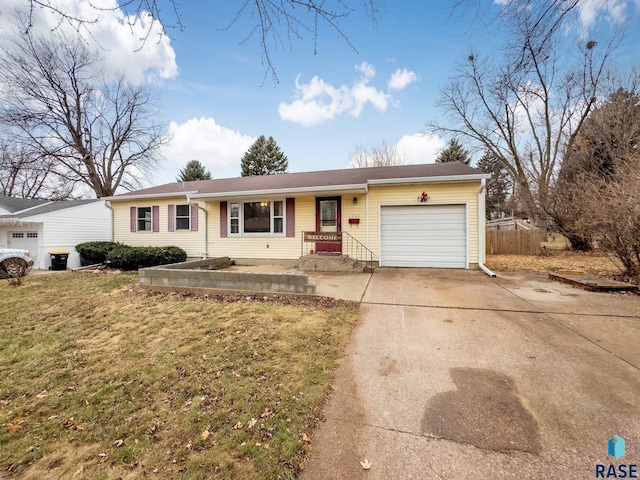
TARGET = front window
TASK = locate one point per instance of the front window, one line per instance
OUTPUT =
(234, 216)
(144, 219)
(257, 217)
(264, 217)
(183, 217)
(278, 217)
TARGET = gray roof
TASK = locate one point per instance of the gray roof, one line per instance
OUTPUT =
(12, 204)
(36, 206)
(311, 180)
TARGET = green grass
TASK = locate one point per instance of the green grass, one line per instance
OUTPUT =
(100, 378)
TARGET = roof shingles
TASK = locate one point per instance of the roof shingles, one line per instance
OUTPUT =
(322, 178)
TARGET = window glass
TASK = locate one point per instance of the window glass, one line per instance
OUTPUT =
(183, 217)
(144, 219)
(257, 217)
(278, 216)
(234, 215)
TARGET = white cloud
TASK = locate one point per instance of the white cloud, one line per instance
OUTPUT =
(368, 70)
(218, 148)
(420, 147)
(400, 79)
(116, 36)
(318, 101)
(613, 10)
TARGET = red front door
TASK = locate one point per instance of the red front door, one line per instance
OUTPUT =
(328, 219)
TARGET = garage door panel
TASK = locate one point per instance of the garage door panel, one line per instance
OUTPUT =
(435, 219)
(423, 236)
(428, 231)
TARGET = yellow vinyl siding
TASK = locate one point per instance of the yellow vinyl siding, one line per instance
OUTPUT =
(282, 247)
(191, 242)
(261, 246)
(462, 193)
(349, 210)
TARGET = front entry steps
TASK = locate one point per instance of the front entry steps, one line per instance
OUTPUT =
(334, 263)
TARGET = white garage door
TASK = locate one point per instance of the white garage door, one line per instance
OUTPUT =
(423, 236)
(26, 240)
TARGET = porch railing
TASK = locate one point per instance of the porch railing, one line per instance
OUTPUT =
(357, 251)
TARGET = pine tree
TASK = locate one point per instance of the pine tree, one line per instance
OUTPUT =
(497, 187)
(264, 157)
(454, 153)
(193, 171)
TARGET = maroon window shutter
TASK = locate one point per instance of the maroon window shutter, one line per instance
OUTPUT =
(223, 219)
(194, 217)
(172, 218)
(155, 218)
(133, 219)
(291, 217)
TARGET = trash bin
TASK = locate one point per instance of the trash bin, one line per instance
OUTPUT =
(58, 260)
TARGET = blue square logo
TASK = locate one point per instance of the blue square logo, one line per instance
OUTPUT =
(616, 447)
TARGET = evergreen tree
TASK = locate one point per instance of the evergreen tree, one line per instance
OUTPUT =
(193, 171)
(497, 187)
(264, 157)
(454, 153)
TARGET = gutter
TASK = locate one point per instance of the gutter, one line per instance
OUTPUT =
(481, 233)
(441, 179)
(353, 188)
(147, 196)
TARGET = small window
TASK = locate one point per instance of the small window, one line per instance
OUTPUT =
(32, 234)
(144, 219)
(183, 217)
(234, 218)
(278, 216)
(17, 235)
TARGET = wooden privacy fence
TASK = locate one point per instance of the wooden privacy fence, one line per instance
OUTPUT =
(514, 242)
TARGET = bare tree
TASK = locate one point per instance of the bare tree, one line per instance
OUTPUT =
(25, 174)
(102, 133)
(379, 154)
(527, 107)
(612, 209)
(597, 195)
(275, 23)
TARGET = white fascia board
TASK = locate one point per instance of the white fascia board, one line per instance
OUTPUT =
(476, 177)
(146, 196)
(354, 188)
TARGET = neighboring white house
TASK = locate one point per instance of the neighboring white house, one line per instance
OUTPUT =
(43, 226)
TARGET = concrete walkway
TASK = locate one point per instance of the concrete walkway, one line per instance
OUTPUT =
(451, 374)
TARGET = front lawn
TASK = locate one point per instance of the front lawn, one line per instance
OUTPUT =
(99, 379)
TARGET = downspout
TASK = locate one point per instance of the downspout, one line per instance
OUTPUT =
(481, 233)
(206, 226)
(110, 207)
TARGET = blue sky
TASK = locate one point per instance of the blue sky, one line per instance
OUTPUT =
(224, 81)
(216, 99)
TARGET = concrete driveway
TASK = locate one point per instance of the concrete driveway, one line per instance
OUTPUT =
(452, 374)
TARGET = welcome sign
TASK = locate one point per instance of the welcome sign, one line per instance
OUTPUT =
(326, 237)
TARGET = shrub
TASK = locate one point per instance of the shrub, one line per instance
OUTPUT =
(132, 258)
(96, 252)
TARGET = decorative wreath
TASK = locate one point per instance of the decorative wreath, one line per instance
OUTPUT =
(423, 197)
